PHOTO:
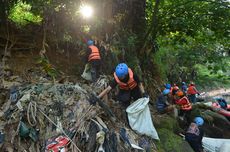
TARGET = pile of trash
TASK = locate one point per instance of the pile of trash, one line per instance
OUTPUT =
(56, 117)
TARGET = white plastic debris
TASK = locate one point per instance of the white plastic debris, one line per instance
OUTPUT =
(140, 118)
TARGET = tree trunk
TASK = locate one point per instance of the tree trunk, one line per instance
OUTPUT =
(3, 12)
(137, 15)
(152, 29)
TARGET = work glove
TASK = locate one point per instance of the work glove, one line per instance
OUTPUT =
(93, 99)
(145, 95)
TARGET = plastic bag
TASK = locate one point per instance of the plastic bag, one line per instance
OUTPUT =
(23, 130)
(58, 144)
(87, 73)
(140, 118)
(215, 144)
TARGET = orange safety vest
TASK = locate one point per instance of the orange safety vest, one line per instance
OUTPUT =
(187, 106)
(95, 54)
(191, 90)
(131, 84)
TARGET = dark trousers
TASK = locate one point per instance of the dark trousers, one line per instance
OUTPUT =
(125, 96)
(95, 69)
(197, 147)
(194, 142)
(192, 98)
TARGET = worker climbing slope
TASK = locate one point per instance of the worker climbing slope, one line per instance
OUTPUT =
(94, 59)
(130, 86)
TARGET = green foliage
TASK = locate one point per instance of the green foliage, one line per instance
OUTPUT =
(169, 141)
(149, 8)
(191, 16)
(191, 33)
(179, 54)
(67, 37)
(47, 67)
(209, 80)
(125, 44)
(167, 127)
(21, 14)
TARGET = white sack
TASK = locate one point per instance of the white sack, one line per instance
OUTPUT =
(87, 73)
(140, 118)
(215, 144)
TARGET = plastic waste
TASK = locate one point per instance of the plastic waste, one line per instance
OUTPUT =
(25, 97)
(87, 73)
(144, 144)
(19, 105)
(225, 147)
(140, 118)
(215, 144)
(23, 130)
(59, 128)
(33, 134)
(100, 137)
(137, 147)
(126, 140)
(124, 136)
(13, 94)
(112, 142)
(2, 137)
(58, 144)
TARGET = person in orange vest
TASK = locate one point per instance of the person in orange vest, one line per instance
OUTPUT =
(175, 88)
(94, 58)
(191, 92)
(185, 105)
(130, 86)
(173, 92)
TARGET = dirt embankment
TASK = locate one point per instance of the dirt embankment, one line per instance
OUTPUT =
(68, 62)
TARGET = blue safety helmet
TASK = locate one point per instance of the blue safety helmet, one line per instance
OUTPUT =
(199, 121)
(166, 91)
(90, 42)
(183, 83)
(168, 86)
(121, 70)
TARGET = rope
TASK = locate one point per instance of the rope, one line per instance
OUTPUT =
(32, 109)
(60, 129)
(17, 131)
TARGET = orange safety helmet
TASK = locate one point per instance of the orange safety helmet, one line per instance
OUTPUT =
(179, 93)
